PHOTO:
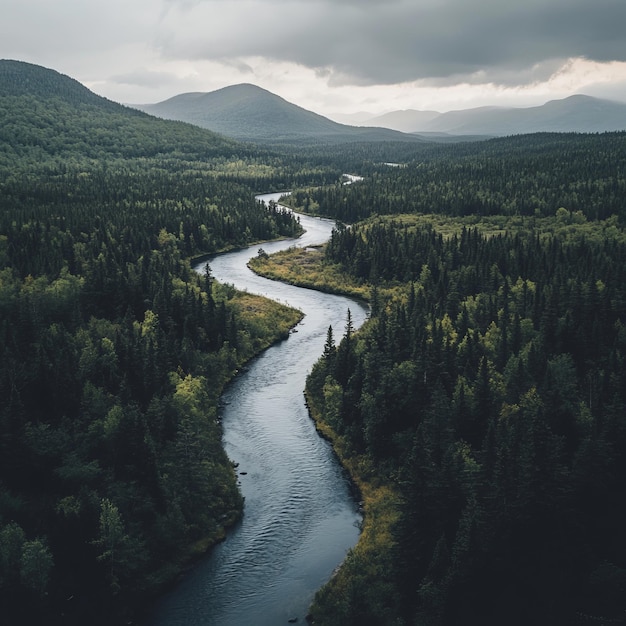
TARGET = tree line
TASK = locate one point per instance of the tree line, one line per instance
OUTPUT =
(522, 175)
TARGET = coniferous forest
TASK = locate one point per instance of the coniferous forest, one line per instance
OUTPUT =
(485, 397)
(113, 351)
(490, 393)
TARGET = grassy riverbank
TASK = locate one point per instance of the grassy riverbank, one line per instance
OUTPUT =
(361, 587)
(305, 267)
(263, 322)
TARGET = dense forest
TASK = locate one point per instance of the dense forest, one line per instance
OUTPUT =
(523, 175)
(485, 396)
(489, 392)
(113, 351)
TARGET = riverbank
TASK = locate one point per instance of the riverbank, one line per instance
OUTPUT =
(300, 519)
(305, 267)
(265, 323)
(362, 580)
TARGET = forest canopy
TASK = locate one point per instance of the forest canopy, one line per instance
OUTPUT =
(485, 397)
(489, 393)
(523, 175)
(113, 351)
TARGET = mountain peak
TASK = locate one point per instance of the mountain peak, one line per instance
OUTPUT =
(250, 113)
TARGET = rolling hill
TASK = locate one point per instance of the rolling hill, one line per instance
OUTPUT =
(578, 113)
(44, 113)
(249, 113)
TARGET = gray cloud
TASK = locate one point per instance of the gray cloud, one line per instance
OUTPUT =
(383, 42)
(144, 49)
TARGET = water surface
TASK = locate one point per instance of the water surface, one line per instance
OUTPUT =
(299, 518)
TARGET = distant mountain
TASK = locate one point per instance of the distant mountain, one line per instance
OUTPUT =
(579, 113)
(250, 113)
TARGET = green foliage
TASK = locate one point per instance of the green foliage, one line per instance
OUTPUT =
(113, 352)
(35, 566)
(490, 391)
(527, 175)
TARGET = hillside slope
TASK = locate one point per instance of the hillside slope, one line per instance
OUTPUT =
(250, 113)
(18, 78)
(43, 111)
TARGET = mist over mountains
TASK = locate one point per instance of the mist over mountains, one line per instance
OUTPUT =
(250, 113)
(578, 114)
(247, 112)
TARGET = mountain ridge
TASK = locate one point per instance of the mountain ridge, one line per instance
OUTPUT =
(576, 113)
(247, 112)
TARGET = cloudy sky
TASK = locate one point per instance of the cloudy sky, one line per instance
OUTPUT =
(329, 56)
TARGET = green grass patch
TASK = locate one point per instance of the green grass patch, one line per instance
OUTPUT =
(307, 268)
(565, 225)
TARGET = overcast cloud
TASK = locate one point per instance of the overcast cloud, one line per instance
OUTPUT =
(329, 55)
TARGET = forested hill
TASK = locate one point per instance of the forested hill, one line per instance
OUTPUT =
(113, 351)
(47, 114)
(250, 113)
(18, 78)
(490, 396)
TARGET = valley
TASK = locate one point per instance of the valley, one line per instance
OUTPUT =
(479, 408)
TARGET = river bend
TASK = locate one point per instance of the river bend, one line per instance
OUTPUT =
(299, 516)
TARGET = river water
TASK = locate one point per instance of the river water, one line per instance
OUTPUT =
(300, 518)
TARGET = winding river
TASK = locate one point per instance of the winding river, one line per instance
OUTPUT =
(300, 518)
